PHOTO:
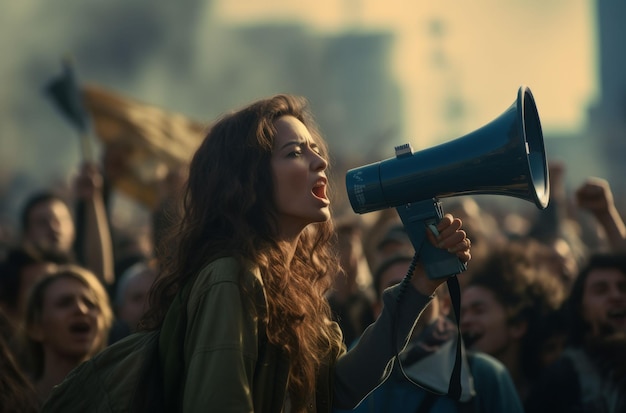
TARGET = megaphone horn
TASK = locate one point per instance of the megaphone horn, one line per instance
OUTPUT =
(505, 157)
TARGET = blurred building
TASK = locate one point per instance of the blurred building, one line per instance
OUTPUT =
(599, 149)
(607, 118)
(347, 78)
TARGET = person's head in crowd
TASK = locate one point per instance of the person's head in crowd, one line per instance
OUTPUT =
(389, 272)
(392, 271)
(556, 257)
(596, 305)
(378, 224)
(67, 321)
(503, 307)
(590, 374)
(131, 294)
(482, 227)
(394, 241)
(391, 242)
(47, 226)
(132, 246)
(351, 295)
(19, 271)
(355, 272)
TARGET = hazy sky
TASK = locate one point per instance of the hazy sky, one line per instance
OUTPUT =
(459, 63)
(476, 53)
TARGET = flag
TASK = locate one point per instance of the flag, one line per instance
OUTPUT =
(142, 142)
(65, 92)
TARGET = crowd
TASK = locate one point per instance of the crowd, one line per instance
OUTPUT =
(543, 302)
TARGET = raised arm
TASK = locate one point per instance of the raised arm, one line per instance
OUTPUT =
(98, 246)
(595, 196)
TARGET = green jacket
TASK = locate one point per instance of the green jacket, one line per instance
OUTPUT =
(229, 366)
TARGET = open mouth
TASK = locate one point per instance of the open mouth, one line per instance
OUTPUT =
(80, 328)
(617, 315)
(319, 189)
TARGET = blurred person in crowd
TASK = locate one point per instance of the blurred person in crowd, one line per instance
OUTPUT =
(168, 209)
(374, 234)
(132, 245)
(254, 251)
(486, 383)
(502, 310)
(394, 241)
(351, 297)
(557, 223)
(557, 258)
(131, 298)
(48, 227)
(590, 375)
(595, 196)
(19, 271)
(67, 321)
(482, 227)
(17, 394)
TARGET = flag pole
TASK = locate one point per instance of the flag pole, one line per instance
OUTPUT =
(66, 94)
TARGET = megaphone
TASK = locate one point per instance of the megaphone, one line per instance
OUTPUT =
(505, 157)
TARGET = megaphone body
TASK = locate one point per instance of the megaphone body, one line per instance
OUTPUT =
(505, 157)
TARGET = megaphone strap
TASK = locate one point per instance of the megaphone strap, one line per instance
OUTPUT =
(455, 387)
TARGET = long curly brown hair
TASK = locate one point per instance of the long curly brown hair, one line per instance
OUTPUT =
(229, 209)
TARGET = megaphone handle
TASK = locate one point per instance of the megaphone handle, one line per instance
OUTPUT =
(417, 218)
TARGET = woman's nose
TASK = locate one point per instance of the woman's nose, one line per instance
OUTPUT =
(320, 163)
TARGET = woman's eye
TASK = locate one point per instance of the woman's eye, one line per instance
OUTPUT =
(295, 154)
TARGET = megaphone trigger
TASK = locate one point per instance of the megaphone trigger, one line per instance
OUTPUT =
(433, 229)
(419, 217)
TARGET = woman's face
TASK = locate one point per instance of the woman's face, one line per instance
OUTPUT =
(484, 322)
(299, 177)
(71, 322)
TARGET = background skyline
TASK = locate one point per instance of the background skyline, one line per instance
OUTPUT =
(447, 68)
(476, 53)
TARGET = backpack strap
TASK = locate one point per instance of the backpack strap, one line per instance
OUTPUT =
(172, 348)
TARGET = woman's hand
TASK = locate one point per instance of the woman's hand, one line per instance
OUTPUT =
(451, 238)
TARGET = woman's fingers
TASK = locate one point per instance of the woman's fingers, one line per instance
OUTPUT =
(448, 226)
(456, 242)
(451, 237)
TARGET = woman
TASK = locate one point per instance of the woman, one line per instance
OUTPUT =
(253, 250)
(68, 318)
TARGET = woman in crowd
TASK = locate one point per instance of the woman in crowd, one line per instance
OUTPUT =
(251, 269)
(68, 318)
